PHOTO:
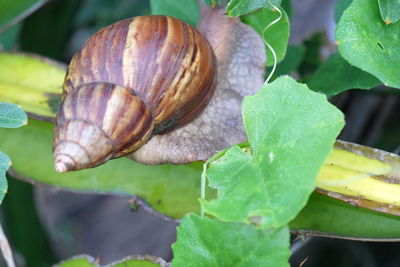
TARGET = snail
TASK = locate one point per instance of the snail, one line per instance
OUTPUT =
(132, 81)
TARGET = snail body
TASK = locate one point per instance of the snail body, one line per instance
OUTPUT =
(131, 80)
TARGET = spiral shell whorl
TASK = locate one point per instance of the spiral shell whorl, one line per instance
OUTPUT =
(99, 121)
(164, 66)
(166, 62)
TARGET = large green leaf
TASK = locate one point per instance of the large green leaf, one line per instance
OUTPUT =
(12, 116)
(32, 82)
(277, 36)
(186, 10)
(291, 130)
(326, 216)
(206, 242)
(337, 75)
(170, 189)
(242, 7)
(390, 10)
(135, 261)
(366, 42)
(14, 11)
(5, 163)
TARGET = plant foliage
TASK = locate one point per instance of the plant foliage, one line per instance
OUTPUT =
(207, 242)
(5, 163)
(135, 261)
(336, 75)
(11, 116)
(291, 131)
(258, 190)
(366, 42)
(390, 10)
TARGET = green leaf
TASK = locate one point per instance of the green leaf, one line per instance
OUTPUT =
(327, 216)
(291, 130)
(14, 11)
(186, 10)
(277, 36)
(32, 82)
(135, 261)
(340, 8)
(79, 261)
(170, 189)
(12, 116)
(5, 163)
(206, 242)
(366, 42)
(336, 75)
(241, 7)
(390, 10)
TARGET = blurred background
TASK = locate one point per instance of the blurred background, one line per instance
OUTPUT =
(45, 225)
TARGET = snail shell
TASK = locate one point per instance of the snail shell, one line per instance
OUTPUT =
(131, 80)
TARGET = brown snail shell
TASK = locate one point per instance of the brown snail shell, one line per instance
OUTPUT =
(131, 80)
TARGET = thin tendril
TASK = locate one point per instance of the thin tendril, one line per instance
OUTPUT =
(268, 45)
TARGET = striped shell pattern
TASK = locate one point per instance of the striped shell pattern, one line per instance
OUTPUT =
(131, 80)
